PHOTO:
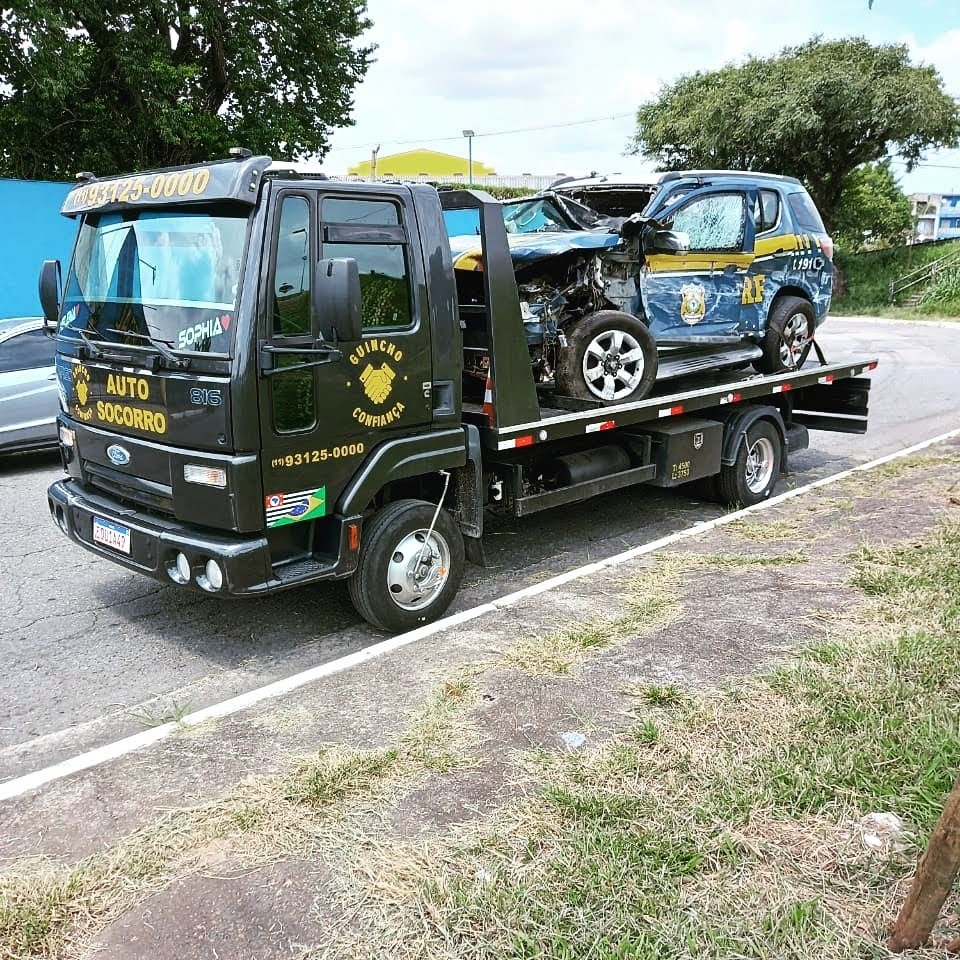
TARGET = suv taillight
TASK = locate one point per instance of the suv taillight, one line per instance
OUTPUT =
(826, 245)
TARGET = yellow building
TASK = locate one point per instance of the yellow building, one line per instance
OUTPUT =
(422, 163)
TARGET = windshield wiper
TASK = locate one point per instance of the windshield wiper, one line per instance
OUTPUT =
(178, 363)
(91, 342)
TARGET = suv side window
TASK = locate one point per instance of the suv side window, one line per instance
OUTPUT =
(805, 213)
(27, 351)
(370, 232)
(767, 210)
(714, 222)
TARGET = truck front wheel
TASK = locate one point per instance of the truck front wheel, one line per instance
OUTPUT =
(753, 475)
(610, 356)
(407, 572)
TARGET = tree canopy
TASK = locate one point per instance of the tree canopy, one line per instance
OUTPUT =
(873, 210)
(816, 112)
(115, 86)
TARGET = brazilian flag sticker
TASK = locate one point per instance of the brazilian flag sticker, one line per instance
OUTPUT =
(284, 508)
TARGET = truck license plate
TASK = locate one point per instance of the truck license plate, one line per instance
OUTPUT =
(111, 535)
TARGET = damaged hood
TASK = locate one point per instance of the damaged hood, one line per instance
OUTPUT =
(527, 247)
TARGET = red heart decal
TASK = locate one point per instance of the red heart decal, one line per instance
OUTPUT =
(225, 321)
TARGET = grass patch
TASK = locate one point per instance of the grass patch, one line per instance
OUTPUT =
(868, 274)
(44, 906)
(764, 531)
(726, 826)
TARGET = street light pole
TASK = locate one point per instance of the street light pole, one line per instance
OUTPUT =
(469, 134)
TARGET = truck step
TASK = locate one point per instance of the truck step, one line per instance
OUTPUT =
(671, 368)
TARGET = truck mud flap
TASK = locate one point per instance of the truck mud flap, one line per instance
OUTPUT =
(839, 407)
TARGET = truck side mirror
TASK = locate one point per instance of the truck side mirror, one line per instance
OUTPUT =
(667, 241)
(336, 300)
(50, 291)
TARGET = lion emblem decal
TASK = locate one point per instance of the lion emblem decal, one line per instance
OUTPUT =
(693, 303)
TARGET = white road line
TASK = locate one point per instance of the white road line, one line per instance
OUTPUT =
(119, 748)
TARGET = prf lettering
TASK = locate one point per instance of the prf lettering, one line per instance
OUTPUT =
(124, 386)
(753, 289)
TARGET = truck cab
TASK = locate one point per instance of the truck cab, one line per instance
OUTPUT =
(234, 342)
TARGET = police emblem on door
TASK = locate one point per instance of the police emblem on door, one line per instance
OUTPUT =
(693, 303)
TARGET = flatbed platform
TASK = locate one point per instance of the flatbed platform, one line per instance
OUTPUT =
(675, 398)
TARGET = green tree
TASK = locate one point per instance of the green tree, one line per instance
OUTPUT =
(816, 112)
(873, 210)
(118, 85)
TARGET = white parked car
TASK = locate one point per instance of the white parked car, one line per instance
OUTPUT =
(29, 401)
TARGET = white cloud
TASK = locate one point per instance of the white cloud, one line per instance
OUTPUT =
(513, 64)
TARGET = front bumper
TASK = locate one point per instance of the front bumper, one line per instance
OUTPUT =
(244, 559)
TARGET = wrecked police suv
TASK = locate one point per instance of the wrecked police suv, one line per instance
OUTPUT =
(625, 283)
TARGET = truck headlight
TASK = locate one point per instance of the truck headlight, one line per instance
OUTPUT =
(68, 436)
(207, 476)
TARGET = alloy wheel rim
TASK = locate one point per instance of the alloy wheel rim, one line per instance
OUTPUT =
(796, 332)
(613, 365)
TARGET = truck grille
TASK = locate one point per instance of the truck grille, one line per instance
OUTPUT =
(156, 496)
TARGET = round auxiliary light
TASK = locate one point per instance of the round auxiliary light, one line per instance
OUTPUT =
(213, 574)
(183, 567)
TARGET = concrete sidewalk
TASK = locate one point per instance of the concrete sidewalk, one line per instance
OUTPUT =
(244, 838)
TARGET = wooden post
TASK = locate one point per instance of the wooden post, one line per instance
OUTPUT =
(936, 872)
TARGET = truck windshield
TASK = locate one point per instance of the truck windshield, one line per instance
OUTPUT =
(169, 275)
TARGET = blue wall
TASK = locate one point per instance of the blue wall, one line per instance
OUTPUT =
(31, 231)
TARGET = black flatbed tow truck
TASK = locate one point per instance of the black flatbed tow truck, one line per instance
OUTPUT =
(263, 385)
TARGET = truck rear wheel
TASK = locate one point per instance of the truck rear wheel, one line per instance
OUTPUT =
(753, 475)
(610, 356)
(407, 574)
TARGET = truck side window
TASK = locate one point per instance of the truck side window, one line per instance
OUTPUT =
(293, 392)
(713, 222)
(384, 278)
(291, 284)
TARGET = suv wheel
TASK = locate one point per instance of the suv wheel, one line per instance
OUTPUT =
(787, 341)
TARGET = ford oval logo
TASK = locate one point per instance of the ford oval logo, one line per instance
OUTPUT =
(118, 455)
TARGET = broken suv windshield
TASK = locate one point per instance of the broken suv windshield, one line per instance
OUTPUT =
(170, 275)
(535, 216)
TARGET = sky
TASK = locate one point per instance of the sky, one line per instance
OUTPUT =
(553, 87)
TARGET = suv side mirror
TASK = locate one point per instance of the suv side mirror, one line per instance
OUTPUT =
(336, 300)
(50, 291)
(668, 241)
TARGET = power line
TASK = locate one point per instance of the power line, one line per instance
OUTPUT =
(493, 133)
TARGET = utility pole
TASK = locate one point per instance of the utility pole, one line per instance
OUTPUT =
(373, 162)
(469, 134)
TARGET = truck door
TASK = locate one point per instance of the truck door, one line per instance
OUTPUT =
(698, 292)
(321, 417)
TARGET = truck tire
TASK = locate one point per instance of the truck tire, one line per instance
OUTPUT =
(789, 328)
(753, 475)
(610, 356)
(704, 489)
(402, 580)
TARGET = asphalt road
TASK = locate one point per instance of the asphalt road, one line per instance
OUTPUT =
(91, 652)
